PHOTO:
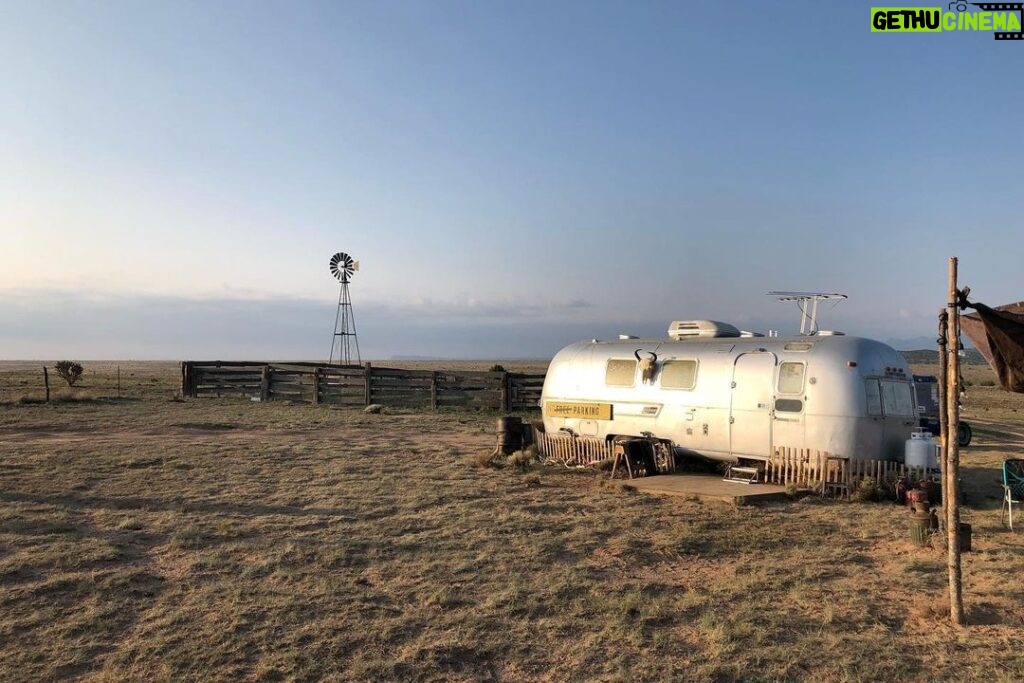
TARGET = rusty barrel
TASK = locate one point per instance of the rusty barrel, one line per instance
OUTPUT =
(510, 434)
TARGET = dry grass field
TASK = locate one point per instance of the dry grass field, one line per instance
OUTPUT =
(146, 538)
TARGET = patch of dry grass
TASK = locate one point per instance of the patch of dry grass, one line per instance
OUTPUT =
(156, 540)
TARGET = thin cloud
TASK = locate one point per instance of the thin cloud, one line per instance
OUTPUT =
(45, 323)
(54, 323)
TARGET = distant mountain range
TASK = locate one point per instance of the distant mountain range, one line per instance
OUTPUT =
(931, 357)
(915, 357)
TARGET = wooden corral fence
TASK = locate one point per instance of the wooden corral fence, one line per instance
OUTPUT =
(361, 385)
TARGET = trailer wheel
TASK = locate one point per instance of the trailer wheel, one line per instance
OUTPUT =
(964, 434)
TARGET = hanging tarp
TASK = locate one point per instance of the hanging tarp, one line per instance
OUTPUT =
(999, 335)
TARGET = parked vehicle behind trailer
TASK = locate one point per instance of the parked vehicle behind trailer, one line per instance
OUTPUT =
(926, 390)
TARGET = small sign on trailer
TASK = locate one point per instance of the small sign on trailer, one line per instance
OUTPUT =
(590, 411)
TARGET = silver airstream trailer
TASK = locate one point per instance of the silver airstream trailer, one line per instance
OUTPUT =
(714, 392)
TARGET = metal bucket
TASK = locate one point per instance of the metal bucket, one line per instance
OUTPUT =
(917, 498)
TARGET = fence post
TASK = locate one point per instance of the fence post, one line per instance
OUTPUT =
(433, 391)
(188, 380)
(46, 381)
(265, 384)
(316, 386)
(368, 384)
(504, 392)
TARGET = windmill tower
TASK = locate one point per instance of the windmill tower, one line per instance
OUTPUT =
(342, 267)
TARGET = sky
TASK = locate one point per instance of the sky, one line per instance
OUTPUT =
(512, 177)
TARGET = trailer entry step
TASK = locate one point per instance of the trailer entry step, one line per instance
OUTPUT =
(742, 475)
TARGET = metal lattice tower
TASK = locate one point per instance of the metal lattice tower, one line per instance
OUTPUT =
(344, 339)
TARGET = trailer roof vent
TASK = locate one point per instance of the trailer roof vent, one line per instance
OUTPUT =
(688, 329)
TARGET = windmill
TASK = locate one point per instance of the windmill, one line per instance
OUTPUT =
(342, 268)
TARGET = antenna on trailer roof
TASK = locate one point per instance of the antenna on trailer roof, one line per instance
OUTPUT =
(807, 302)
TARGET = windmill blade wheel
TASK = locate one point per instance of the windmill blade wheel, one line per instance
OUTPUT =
(342, 266)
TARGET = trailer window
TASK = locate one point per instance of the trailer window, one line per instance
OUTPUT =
(620, 373)
(679, 374)
(874, 395)
(788, 405)
(897, 398)
(791, 378)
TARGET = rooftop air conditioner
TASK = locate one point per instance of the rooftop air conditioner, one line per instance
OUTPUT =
(688, 329)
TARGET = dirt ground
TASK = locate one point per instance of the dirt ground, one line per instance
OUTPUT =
(147, 538)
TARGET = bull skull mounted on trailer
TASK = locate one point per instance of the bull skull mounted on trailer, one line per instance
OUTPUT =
(648, 366)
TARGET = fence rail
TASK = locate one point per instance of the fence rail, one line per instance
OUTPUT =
(800, 467)
(572, 451)
(806, 468)
(361, 385)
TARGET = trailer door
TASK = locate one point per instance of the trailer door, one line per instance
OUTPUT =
(750, 416)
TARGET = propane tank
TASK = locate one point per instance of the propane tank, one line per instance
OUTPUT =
(921, 450)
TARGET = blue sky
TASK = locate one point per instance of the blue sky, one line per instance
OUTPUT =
(512, 176)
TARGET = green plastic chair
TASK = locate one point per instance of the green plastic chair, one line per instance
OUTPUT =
(1013, 488)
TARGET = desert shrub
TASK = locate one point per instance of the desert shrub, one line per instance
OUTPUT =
(65, 396)
(522, 460)
(495, 459)
(497, 367)
(129, 524)
(867, 490)
(374, 408)
(69, 371)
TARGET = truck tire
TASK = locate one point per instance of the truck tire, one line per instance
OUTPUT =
(964, 434)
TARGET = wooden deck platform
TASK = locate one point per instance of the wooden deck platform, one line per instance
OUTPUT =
(707, 487)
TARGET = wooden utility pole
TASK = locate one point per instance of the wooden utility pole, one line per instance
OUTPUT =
(951, 485)
(46, 381)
